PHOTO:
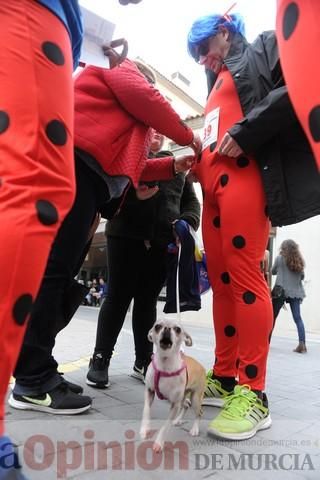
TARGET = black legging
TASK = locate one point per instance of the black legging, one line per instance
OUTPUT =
(36, 366)
(134, 272)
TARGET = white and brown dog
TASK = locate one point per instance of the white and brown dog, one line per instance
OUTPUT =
(173, 376)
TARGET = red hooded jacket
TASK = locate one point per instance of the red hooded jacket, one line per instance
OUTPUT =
(114, 110)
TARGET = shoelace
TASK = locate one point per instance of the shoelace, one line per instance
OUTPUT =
(239, 403)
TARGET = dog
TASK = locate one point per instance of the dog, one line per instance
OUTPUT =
(174, 376)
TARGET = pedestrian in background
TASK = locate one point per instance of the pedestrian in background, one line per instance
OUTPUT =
(289, 269)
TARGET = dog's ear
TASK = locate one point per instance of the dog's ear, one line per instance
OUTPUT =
(187, 339)
(150, 335)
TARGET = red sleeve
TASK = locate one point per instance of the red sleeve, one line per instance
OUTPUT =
(158, 169)
(145, 103)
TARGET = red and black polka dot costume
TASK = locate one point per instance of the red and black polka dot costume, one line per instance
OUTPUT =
(298, 35)
(36, 161)
(235, 233)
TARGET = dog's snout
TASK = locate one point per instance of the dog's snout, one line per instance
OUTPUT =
(166, 334)
(166, 340)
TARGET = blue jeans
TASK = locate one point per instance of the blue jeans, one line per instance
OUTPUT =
(277, 304)
(295, 310)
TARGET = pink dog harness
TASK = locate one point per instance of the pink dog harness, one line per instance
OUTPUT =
(160, 373)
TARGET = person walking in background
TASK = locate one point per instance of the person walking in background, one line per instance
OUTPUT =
(254, 157)
(137, 241)
(289, 269)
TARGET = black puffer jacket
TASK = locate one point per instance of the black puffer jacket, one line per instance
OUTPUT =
(270, 131)
(152, 219)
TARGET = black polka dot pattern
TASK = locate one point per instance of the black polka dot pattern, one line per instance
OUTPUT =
(225, 277)
(249, 297)
(47, 212)
(224, 179)
(242, 162)
(251, 371)
(213, 146)
(4, 121)
(229, 331)
(216, 222)
(56, 132)
(219, 84)
(22, 308)
(238, 241)
(314, 123)
(290, 19)
(53, 52)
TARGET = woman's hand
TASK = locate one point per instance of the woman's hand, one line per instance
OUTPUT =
(196, 144)
(109, 51)
(183, 163)
(144, 192)
(229, 147)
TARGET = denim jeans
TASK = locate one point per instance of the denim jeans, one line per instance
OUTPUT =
(295, 310)
(294, 303)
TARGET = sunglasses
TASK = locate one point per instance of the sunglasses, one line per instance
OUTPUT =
(201, 50)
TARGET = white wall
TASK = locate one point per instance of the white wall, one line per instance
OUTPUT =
(307, 235)
(183, 108)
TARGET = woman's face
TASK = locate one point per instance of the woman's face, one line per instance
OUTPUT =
(156, 142)
(214, 50)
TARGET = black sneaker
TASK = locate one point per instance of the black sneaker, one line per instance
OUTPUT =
(97, 375)
(74, 387)
(59, 401)
(139, 370)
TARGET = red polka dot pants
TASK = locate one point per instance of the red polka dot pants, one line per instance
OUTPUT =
(36, 161)
(235, 233)
(298, 35)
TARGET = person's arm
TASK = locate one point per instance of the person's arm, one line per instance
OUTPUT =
(273, 114)
(190, 206)
(145, 103)
(165, 168)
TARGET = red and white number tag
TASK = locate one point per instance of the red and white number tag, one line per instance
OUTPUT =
(211, 125)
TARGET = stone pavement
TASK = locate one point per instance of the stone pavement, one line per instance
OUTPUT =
(104, 443)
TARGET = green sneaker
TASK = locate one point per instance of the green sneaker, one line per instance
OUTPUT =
(242, 416)
(214, 394)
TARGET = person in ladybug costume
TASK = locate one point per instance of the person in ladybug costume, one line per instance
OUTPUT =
(297, 29)
(40, 46)
(256, 166)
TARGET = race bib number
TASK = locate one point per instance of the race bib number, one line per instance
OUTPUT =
(211, 125)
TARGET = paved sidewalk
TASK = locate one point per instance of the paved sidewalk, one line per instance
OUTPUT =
(104, 443)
